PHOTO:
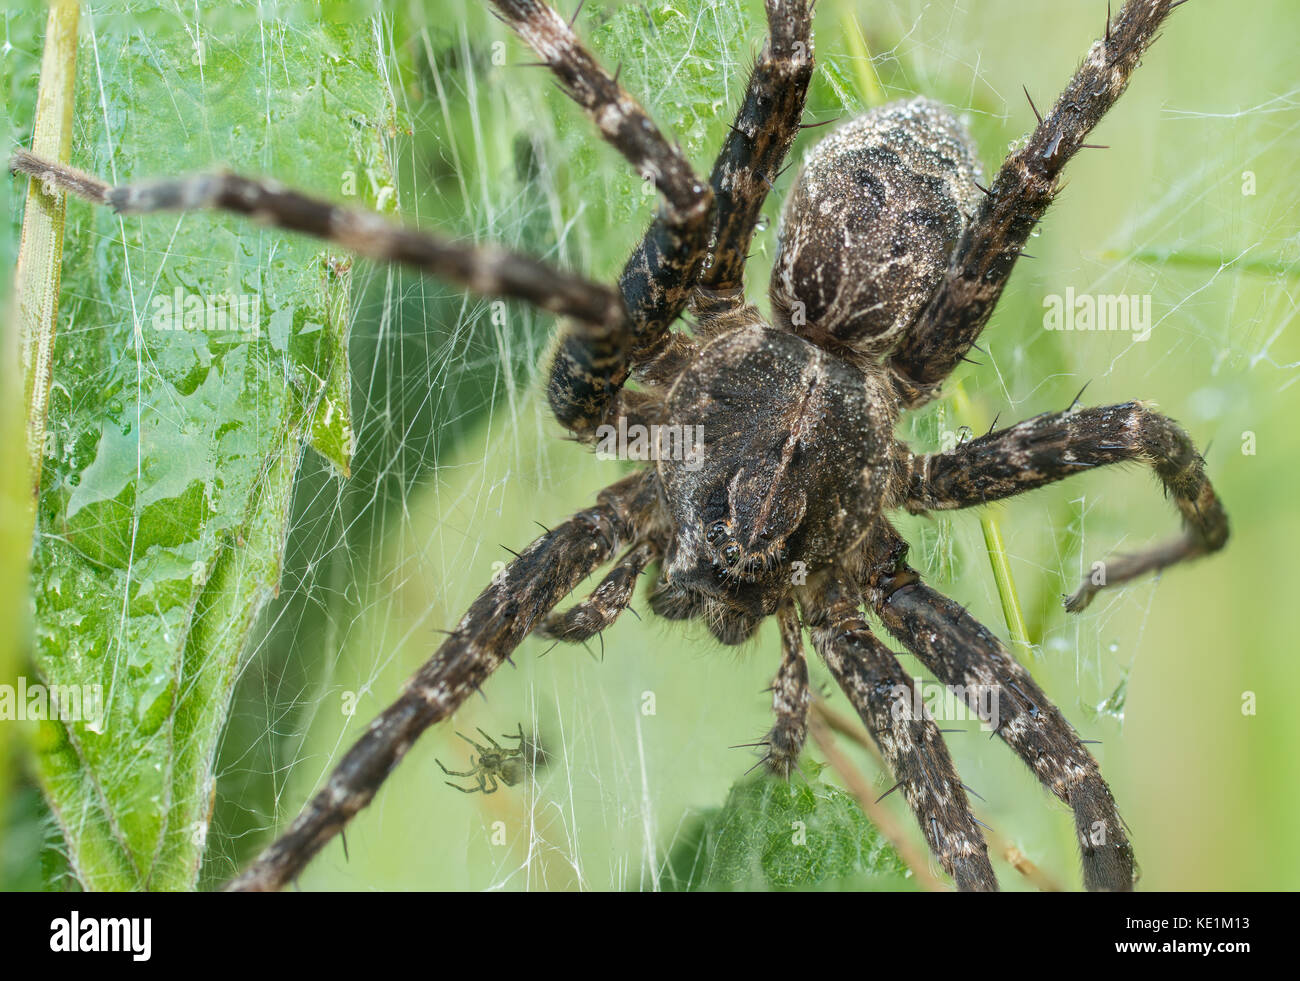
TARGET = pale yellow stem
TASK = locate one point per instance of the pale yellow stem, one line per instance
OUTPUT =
(40, 251)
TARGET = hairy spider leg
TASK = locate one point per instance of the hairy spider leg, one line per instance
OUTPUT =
(495, 624)
(964, 655)
(593, 360)
(1015, 201)
(1056, 445)
(458, 773)
(790, 698)
(756, 146)
(487, 270)
(884, 697)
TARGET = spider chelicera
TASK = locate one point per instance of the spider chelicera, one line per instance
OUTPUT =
(891, 260)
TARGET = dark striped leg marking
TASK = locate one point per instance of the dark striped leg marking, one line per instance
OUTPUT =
(593, 362)
(883, 696)
(504, 613)
(755, 149)
(1051, 447)
(1018, 197)
(966, 657)
(485, 270)
(790, 699)
(606, 602)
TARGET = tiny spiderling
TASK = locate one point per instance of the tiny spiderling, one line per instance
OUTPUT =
(508, 765)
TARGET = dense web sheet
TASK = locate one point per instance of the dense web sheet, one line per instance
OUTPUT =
(454, 458)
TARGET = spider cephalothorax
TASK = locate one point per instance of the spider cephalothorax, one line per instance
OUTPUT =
(891, 261)
(796, 447)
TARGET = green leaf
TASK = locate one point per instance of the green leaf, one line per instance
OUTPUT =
(774, 834)
(197, 355)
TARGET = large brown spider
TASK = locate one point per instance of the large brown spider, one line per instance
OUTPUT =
(892, 257)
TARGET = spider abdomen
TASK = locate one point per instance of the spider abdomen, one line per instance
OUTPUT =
(868, 229)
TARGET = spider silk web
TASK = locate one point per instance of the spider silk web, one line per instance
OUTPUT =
(456, 457)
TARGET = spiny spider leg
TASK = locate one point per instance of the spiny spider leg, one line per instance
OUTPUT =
(468, 790)
(475, 773)
(502, 616)
(486, 270)
(962, 654)
(790, 698)
(456, 773)
(481, 749)
(761, 136)
(1018, 197)
(882, 693)
(593, 361)
(1057, 445)
(606, 602)
(495, 745)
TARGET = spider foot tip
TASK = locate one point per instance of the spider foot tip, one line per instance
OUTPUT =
(1079, 601)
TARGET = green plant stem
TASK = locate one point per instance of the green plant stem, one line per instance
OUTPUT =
(1201, 259)
(40, 252)
(873, 94)
(993, 544)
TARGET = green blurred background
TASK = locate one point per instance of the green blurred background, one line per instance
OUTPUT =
(456, 457)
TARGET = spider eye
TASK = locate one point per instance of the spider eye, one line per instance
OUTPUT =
(731, 554)
(716, 531)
